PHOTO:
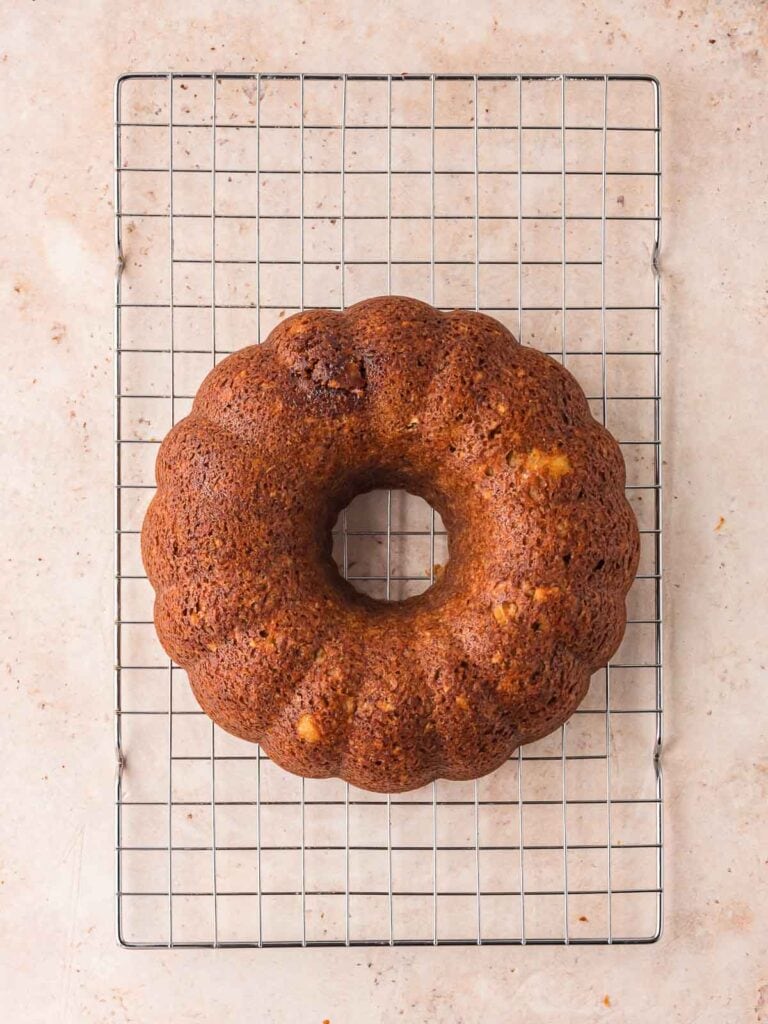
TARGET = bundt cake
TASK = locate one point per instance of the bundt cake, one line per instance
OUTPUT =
(391, 393)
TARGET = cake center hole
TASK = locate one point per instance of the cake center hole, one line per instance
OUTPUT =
(391, 545)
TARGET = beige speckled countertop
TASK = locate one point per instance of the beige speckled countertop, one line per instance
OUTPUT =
(58, 958)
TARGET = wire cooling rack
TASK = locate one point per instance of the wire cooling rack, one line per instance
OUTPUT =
(241, 199)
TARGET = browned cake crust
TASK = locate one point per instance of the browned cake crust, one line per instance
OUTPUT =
(391, 393)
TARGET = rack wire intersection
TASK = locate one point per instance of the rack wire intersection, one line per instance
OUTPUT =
(241, 198)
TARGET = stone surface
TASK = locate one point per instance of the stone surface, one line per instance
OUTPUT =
(58, 960)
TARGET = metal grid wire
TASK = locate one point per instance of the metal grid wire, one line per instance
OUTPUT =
(242, 198)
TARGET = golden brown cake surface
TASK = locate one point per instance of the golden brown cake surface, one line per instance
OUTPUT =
(498, 438)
